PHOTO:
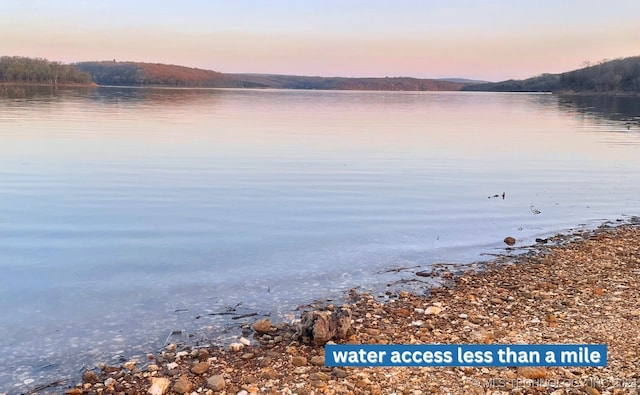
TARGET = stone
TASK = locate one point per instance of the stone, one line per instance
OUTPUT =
(482, 336)
(203, 354)
(340, 373)
(318, 360)
(591, 391)
(268, 373)
(235, 347)
(266, 361)
(433, 310)
(131, 365)
(262, 326)
(89, 377)
(172, 365)
(509, 240)
(319, 376)
(402, 312)
(532, 372)
(182, 386)
(299, 361)
(159, 386)
(73, 391)
(216, 382)
(363, 383)
(200, 367)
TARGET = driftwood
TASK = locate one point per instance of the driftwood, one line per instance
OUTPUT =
(322, 326)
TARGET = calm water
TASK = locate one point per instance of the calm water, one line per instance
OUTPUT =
(126, 214)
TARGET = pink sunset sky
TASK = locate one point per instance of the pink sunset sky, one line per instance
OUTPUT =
(488, 40)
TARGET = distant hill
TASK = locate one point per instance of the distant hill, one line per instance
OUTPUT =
(615, 76)
(463, 80)
(344, 83)
(136, 73)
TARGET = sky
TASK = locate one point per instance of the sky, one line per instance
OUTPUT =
(487, 40)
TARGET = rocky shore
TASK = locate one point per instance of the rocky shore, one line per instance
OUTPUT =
(581, 291)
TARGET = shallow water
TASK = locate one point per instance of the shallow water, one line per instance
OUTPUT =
(127, 213)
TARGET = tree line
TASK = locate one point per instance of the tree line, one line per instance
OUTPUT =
(607, 76)
(21, 70)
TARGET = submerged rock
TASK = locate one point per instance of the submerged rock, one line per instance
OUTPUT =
(509, 240)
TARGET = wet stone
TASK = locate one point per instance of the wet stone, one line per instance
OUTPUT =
(89, 377)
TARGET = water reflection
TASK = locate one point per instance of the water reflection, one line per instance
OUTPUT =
(614, 108)
(624, 109)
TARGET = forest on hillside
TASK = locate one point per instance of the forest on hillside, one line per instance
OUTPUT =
(155, 74)
(614, 76)
(23, 70)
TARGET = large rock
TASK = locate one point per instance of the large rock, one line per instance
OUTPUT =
(322, 326)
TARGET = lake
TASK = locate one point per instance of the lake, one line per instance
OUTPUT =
(127, 214)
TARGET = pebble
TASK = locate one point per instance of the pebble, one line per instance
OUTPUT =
(532, 372)
(131, 365)
(299, 361)
(340, 373)
(317, 360)
(172, 365)
(591, 391)
(319, 376)
(182, 385)
(159, 386)
(200, 367)
(433, 310)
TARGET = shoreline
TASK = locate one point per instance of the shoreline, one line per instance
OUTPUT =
(583, 289)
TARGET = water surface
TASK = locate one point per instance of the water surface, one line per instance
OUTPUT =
(126, 213)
